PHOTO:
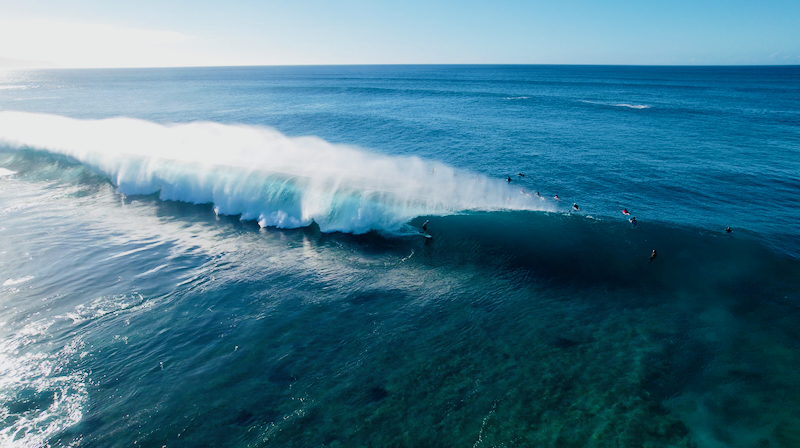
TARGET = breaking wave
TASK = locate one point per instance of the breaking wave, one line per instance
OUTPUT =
(261, 174)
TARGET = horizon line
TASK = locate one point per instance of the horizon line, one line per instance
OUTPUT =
(396, 65)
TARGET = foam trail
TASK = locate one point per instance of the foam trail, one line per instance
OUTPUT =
(261, 174)
(633, 106)
(630, 106)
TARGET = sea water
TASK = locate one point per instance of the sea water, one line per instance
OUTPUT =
(233, 256)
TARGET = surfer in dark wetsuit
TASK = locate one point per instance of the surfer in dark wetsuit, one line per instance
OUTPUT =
(728, 230)
(520, 175)
(425, 226)
(633, 221)
(652, 256)
(575, 206)
(508, 179)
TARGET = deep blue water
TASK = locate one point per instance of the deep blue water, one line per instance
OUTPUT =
(191, 273)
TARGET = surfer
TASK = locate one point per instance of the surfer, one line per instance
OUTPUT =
(508, 179)
(575, 206)
(728, 230)
(520, 175)
(425, 226)
(556, 198)
(652, 256)
(625, 212)
(633, 221)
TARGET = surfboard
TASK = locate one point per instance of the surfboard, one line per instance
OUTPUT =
(426, 235)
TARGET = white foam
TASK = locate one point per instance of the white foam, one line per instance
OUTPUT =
(16, 281)
(101, 306)
(261, 174)
(5, 172)
(53, 395)
(633, 106)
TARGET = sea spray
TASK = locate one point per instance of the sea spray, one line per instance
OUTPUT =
(261, 174)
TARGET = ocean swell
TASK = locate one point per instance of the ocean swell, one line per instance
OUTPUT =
(261, 174)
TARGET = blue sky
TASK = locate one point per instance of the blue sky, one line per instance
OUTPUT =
(95, 33)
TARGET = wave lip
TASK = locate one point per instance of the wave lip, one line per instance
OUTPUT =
(261, 174)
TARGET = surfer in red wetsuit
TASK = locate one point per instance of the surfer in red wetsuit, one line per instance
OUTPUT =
(625, 211)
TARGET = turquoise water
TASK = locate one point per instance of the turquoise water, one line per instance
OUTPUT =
(234, 260)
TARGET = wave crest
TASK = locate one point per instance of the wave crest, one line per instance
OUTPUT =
(261, 174)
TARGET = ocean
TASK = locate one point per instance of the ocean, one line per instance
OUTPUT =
(234, 256)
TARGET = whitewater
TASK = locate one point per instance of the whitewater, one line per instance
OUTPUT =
(261, 174)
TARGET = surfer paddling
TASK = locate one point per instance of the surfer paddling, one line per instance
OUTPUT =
(557, 198)
(625, 212)
(520, 175)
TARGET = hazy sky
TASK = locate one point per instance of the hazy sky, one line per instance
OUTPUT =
(102, 33)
